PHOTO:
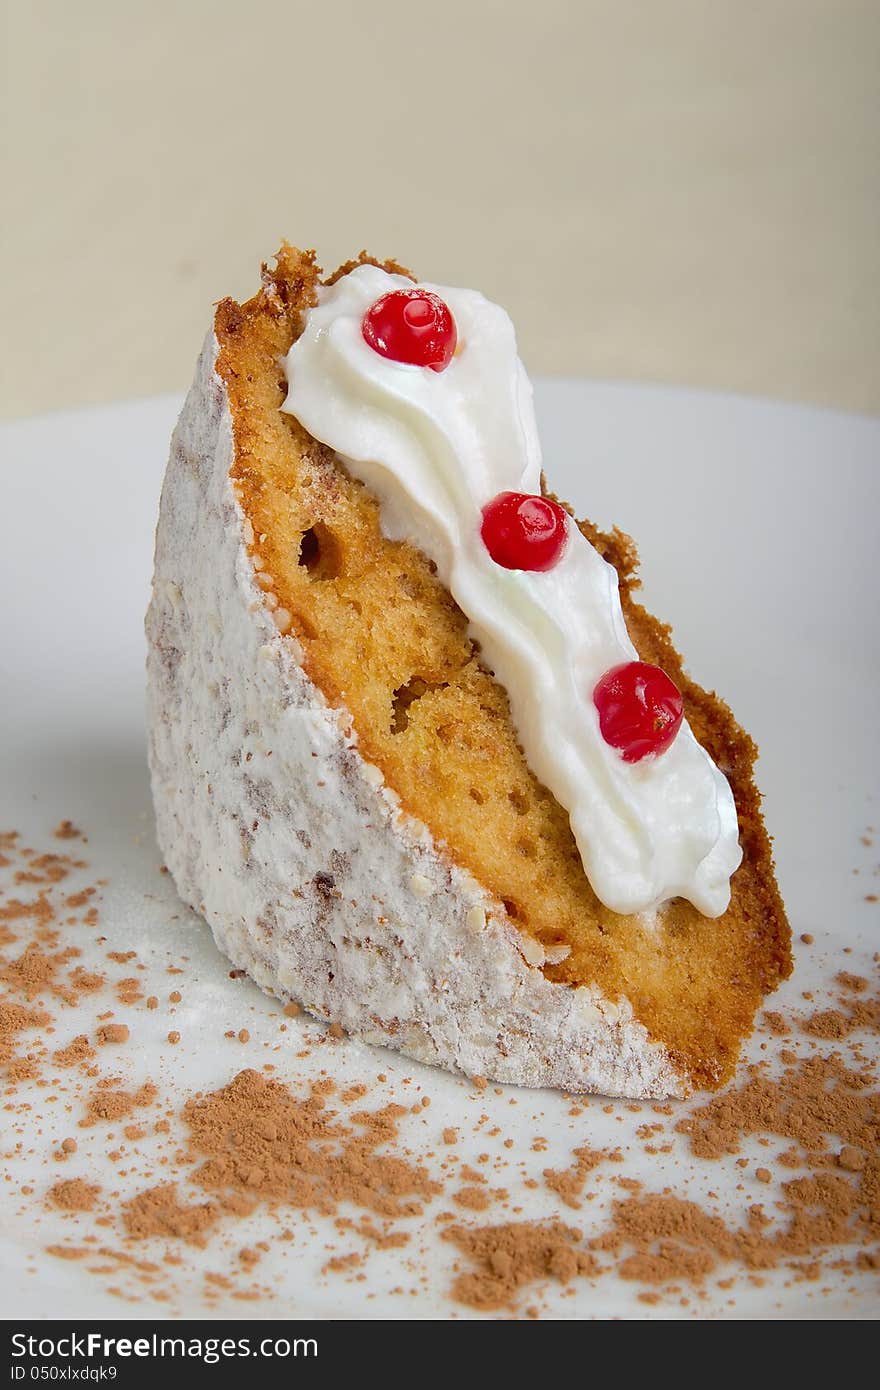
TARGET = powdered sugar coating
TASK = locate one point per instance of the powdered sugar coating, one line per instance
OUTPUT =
(312, 878)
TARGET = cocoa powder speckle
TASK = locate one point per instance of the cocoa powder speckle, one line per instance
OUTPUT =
(514, 1255)
(116, 1105)
(73, 1194)
(78, 1051)
(66, 830)
(568, 1183)
(160, 1212)
(112, 1033)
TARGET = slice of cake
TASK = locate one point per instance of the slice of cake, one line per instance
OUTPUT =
(418, 756)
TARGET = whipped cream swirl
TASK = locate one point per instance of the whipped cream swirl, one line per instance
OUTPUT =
(435, 448)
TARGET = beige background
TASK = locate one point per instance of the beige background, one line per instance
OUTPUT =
(669, 190)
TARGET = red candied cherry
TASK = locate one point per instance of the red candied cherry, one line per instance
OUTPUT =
(413, 326)
(523, 532)
(640, 709)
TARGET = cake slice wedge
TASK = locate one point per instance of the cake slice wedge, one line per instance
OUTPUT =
(341, 788)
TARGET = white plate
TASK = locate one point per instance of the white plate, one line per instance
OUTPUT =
(757, 524)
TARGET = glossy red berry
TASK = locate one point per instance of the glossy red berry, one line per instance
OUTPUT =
(523, 532)
(640, 709)
(413, 326)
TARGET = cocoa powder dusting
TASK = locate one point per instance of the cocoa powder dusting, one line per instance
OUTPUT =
(815, 1097)
(77, 1051)
(254, 1138)
(36, 972)
(658, 1239)
(808, 1197)
(828, 1023)
(16, 1019)
(74, 1194)
(115, 1105)
(66, 830)
(112, 1033)
(569, 1183)
(160, 1212)
(508, 1258)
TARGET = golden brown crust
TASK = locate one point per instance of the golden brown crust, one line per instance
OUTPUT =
(364, 258)
(382, 636)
